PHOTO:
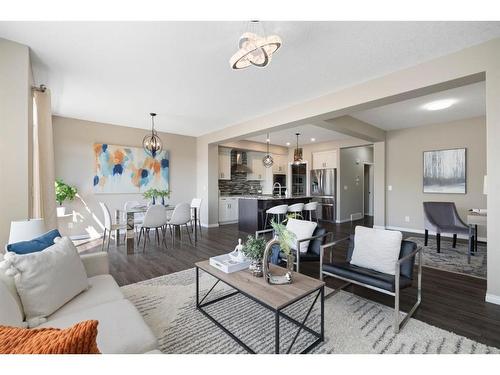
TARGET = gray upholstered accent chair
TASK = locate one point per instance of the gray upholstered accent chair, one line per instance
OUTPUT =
(375, 280)
(442, 217)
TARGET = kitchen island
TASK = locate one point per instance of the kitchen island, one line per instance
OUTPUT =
(252, 210)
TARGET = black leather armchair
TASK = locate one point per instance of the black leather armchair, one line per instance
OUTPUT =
(381, 282)
(313, 253)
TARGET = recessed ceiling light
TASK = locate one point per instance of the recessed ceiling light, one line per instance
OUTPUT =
(439, 104)
(288, 143)
(313, 139)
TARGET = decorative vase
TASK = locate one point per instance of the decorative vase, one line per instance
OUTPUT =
(61, 211)
(289, 262)
(256, 268)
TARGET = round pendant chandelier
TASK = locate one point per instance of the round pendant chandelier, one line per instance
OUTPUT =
(267, 160)
(152, 143)
(254, 49)
(297, 153)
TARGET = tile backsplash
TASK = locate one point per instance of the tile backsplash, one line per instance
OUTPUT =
(238, 185)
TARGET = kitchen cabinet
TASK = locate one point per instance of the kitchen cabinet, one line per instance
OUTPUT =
(280, 164)
(224, 163)
(228, 210)
(254, 162)
(325, 159)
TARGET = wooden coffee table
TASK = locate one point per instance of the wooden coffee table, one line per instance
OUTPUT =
(272, 297)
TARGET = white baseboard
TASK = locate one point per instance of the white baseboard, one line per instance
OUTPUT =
(209, 225)
(229, 222)
(379, 227)
(491, 298)
(421, 231)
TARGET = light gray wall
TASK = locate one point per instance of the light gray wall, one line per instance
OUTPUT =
(73, 140)
(15, 137)
(351, 178)
(405, 167)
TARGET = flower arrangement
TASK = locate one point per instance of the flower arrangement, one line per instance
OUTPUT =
(254, 248)
(64, 192)
(155, 193)
(284, 236)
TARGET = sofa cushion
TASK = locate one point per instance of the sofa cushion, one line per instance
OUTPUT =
(121, 327)
(9, 282)
(36, 244)
(47, 279)
(377, 249)
(10, 313)
(102, 289)
(302, 229)
(79, 339)
(365, 276)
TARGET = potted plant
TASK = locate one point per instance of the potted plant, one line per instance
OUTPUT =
(163, 194)
(64, 192)
(151, 194)
(286, 239)
(254, 250)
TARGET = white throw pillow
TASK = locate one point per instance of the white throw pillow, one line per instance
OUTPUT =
(10, 313)
(47, 279)
(302, 229)
(376, 249)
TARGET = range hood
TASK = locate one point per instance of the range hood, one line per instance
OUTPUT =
(239, 167)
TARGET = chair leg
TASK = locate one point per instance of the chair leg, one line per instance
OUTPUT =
(266, 221)
(426, 239)
(109, 240)
(139, 238)
(438, 240)
(454, 241)
(103, 239)
(146, 235)
(189, 234)
(157, 237)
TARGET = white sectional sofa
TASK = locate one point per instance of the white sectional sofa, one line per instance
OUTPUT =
(121, 327)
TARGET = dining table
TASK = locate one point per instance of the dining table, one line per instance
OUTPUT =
(130, 223)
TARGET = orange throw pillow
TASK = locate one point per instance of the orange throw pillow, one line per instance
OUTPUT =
(79, 339)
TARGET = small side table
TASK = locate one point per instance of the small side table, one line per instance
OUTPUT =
(474, 220)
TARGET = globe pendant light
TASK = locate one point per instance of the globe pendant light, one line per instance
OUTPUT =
(297, 153)
(152, 142)
(267, 160)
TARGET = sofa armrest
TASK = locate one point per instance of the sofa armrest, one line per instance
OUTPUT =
(95, 263)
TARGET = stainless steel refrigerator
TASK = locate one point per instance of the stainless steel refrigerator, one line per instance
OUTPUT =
(323, 189)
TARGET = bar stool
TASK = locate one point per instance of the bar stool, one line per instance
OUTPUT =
(296, 209)
(282, 209)
(310, 208)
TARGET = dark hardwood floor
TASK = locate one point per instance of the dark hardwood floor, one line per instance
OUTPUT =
(450, 301)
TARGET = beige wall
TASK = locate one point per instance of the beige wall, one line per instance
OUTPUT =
(404, 168)
(73, 140)
(15, 145)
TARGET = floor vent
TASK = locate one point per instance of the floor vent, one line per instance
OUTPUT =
(356, 216)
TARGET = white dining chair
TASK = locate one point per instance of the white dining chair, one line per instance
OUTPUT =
(196, 205)
(109, 226)
(311, 207)
(180, 216)
(296, 210)
(276, 212)
(153, 219)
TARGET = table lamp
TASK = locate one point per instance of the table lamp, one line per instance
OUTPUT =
(26, 230)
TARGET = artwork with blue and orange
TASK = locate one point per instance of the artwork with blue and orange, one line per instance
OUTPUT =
(122, 169)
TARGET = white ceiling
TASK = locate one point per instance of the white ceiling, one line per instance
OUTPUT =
(118, 72)
(306, 133)
(470, 102)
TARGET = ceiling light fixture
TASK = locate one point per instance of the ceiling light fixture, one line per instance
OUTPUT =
(152, 142)
(254, 49)
(267, 160)
(297, 153)
(313, 139)
(439, 104)
(288, 143)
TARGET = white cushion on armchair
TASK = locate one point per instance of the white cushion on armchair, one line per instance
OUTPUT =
(376, 249)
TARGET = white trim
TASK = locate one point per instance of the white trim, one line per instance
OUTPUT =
(209, 225)
(228, 222)
(491, 298)
(343, 221)
(421, 231)
(379, 227)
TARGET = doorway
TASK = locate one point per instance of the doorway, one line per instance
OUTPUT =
(368, 190)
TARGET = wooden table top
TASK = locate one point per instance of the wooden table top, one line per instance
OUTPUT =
(274, 296)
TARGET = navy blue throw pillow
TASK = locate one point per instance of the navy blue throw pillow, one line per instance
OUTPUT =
(36, 244)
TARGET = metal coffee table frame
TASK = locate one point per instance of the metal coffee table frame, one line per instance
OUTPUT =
(320, 336)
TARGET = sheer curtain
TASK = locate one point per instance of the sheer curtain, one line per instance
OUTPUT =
(44, 199)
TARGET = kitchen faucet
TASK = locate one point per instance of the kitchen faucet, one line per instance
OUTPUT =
(279, 187)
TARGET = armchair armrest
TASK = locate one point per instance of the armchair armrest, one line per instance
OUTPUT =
(408, 256)
(312, 238)
(95, 263)
(263, 231)
(330, 245)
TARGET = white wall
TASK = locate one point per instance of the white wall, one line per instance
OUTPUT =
(73, 140)
(15, 137)
(404, 169)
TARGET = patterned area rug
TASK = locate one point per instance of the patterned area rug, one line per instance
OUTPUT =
(453, 260)
(352, 324)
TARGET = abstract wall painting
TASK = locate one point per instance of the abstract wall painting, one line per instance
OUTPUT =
(445, 171)
(122, 169)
